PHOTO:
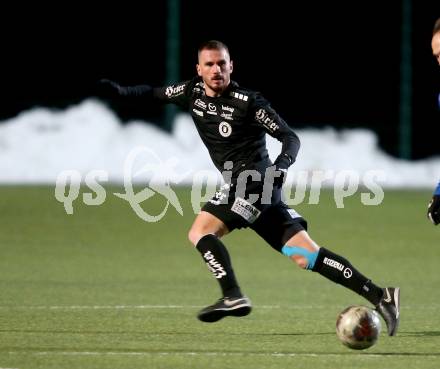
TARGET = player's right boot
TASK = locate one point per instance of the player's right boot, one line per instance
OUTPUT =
(389, 308)
(226, 306)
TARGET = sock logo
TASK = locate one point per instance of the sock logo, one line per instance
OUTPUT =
(347, 273)
(213, 265)
(333, 263)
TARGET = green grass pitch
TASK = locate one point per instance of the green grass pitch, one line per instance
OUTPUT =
(103, 289)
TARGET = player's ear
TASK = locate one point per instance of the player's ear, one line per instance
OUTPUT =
(231, 66)
(199, 70)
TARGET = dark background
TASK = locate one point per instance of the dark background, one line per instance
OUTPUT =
(319, 63)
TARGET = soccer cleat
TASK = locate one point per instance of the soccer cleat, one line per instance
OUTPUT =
(388, 307)
(226, 306)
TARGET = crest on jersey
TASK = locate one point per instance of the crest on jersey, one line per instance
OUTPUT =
(225, 129)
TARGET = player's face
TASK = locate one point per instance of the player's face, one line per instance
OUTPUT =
(215, 68)
(436, 46)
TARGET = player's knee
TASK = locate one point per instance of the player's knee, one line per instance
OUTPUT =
(194, 236)
(304, 258)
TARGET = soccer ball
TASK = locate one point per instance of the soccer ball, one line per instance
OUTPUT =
(358, 327)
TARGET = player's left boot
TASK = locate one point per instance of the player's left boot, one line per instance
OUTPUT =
(226, 306)
(389, 308)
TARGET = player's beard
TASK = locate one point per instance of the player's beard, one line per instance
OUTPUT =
(218, 87)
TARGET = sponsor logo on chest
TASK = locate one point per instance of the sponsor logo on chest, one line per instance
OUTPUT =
(212, 109)
(227, 112)
(198, 112)
(228, 108)
(200, 104)
(227, 116)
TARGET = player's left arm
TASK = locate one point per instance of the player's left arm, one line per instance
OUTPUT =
(265, 116)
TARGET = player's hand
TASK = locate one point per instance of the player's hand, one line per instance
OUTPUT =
(434, 210)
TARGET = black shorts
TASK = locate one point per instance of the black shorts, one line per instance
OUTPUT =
(275, 222)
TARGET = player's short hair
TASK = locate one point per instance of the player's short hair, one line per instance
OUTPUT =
(436, 27)
(213, 45)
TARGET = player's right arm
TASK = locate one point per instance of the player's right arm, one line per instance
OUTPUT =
(175, 94)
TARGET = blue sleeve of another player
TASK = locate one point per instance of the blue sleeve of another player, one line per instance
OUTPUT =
(437, 190)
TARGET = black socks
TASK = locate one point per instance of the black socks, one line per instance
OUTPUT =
(339, 270)
(217, 259)
(332, 266)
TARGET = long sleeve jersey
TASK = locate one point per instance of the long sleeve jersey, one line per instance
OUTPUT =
(232, 126)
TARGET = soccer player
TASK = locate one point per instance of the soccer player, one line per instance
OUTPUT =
(434, 204)
(232, 122)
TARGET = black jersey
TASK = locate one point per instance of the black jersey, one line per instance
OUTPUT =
(233, 126)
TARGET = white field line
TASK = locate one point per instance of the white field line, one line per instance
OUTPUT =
(214, 354)
(110, 307)
(128, 307)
